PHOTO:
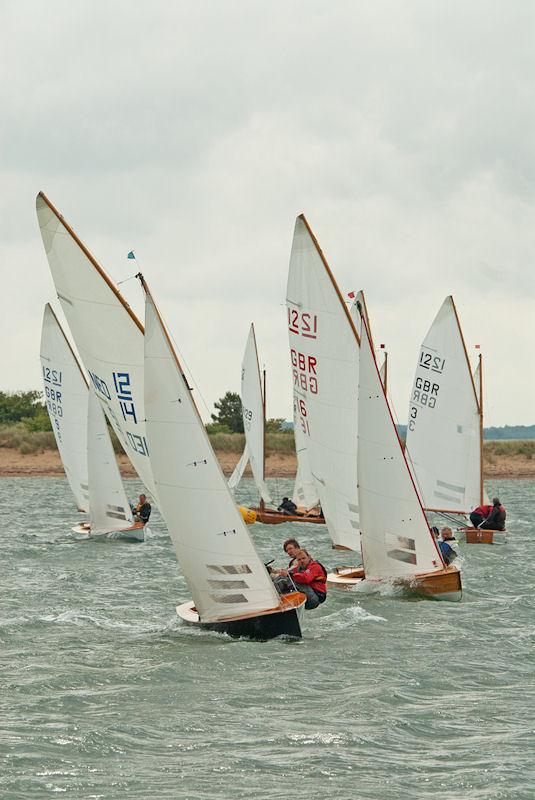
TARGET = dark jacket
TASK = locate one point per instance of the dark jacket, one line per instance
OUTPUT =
(143, 512)
(496, 518)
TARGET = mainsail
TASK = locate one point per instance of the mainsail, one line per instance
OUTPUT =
(324, 351)
(108, 335)
(108, 504)
(66, 401)
(395, 537)
(253, 415)
(223, 570)
(443, 435)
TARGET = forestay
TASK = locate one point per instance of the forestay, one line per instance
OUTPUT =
(66, 401)
(108, 505)
(224, 572)
(395, 537)
(253, 413)
(324, 356)
(107, 334)
(443, 436)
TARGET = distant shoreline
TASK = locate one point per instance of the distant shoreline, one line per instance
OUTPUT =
(46, 463)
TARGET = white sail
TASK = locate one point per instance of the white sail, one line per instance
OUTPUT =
(395, 537)
(305, 494)
(224, 572)
(66, 401)
(443, 436)
(107, 334)
(253, 413)
(108, 505)
(239, 469)
(324, 356)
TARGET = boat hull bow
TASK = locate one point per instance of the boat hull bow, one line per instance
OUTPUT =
(286, 620)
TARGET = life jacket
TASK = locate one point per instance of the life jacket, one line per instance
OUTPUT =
(483, 510)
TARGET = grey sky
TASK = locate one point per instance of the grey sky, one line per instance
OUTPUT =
(194, 133)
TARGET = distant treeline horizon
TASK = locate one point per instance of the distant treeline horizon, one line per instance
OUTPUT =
(521, 432)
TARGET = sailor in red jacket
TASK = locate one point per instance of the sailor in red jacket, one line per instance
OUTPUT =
(489, 517)
(310, 577)
(479, 515)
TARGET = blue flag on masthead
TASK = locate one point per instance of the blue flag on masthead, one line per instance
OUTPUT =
(131, 254)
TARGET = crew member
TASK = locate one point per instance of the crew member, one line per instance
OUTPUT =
(495, 520)
(479, 515)
(447, 545)
(142, 510)
(287, 506)
(310, 577)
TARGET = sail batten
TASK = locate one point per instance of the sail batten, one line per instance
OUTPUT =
(443, 434)
(208, 533)
(324, 357)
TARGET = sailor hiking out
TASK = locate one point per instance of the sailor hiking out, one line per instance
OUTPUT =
(310, 577)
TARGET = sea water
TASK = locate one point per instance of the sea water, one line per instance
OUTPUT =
(105, 694)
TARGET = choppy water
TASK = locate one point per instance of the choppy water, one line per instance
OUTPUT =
(104, 694)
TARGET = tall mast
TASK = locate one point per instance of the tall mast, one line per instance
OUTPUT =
(262, 504)
(386, 372)
(481, 486)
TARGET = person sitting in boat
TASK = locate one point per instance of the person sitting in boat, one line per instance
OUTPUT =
(310, 577)
(479, 515)
(495, 520)
(291, 547)
(445, 544)
(142, 510)
(287, 506)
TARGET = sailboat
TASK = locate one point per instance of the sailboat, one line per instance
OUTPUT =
(107, 333)
(66, 402)
(324, 350)
(397, 544)
(231, 588)
(445, 429)
(253, 397)
(84, 444)
(110, 515)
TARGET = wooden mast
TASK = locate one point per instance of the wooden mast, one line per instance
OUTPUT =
(481, 484)
(92, 259)
(386, 372)
(262, 504)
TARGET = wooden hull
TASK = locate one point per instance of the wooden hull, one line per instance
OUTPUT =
(270, 516)
(345, 578)
(478, 536)
(285, 620)
(444, 584)
(136, 533)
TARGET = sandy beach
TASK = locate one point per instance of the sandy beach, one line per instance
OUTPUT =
(47, 463)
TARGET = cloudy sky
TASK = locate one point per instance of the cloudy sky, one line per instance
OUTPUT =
(195, 132)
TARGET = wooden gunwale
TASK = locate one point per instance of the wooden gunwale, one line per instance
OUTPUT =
(288, 602)
(93, 261)
(276, 518)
